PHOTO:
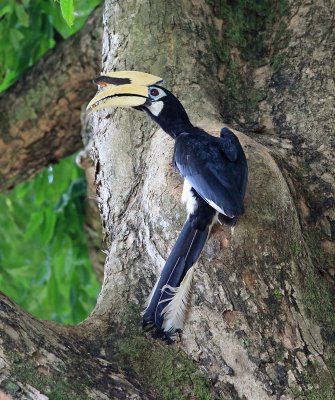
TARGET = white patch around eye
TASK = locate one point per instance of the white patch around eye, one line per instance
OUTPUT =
(155, 108)
(160, 94)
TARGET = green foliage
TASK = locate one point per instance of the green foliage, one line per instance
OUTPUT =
(28, 28)
(44, 263)
(67, 9)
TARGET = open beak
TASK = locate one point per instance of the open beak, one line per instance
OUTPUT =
(122, 89)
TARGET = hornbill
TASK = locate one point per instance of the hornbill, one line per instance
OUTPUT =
(215, 176)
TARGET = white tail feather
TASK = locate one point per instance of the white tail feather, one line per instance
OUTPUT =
(148, 300)
(174, 313)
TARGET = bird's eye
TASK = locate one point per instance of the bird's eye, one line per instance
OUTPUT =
(154, 92)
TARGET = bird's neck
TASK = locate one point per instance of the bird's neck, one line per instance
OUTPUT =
(174, 126)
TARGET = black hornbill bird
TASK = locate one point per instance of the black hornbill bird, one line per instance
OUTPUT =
(215, 176)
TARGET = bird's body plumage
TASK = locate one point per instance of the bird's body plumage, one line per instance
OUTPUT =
(215, 173)
(201, 159)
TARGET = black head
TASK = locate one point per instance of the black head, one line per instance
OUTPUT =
(166, 110)
(141, 91)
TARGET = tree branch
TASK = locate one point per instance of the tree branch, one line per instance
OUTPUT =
(47, 355)
(40, 114)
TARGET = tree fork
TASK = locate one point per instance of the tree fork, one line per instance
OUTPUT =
(257, 295)
(252, 307)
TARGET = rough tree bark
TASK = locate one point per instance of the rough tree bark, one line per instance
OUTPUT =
(261, 322)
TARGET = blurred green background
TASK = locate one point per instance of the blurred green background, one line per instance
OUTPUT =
(44, 263)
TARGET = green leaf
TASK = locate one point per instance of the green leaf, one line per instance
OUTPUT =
(15, 38)
(34, 223)
(21, 191)
(5, 9)
(22, 15)
(49, 225)
(8, 80)
(40, 190)
(37, 21)
(67, 9)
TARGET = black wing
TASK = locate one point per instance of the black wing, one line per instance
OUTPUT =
(234, 152)
(215, 168)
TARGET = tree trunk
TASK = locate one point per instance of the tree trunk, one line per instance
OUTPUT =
(260, 322)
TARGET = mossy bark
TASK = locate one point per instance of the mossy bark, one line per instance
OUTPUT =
(260, 322)
(256, 293)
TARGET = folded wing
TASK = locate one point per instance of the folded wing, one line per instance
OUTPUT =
(216, 168)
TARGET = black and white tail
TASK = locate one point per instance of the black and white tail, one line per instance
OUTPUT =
(166, 306)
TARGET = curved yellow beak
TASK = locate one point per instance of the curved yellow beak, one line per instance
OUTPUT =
(122, 89)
